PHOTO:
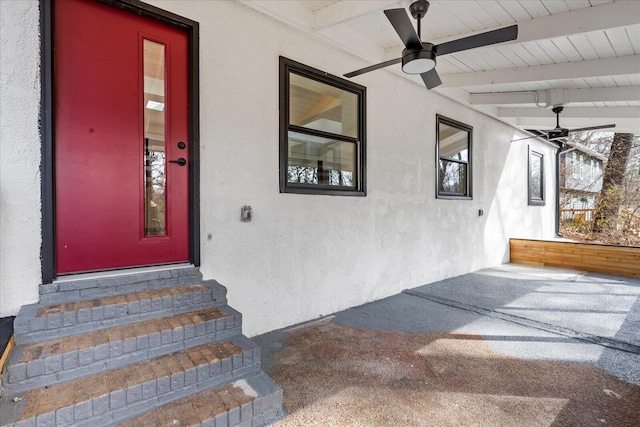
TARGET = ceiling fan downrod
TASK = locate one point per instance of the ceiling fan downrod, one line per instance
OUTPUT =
(418, 10)
(557, 109)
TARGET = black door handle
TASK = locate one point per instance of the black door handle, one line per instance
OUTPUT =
(181, 161)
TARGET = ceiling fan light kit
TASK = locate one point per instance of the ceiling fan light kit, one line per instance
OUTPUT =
(418, 61)
(419, 57)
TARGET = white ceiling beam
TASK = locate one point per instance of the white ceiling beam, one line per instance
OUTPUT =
(505, 98)
(597, 18)
(359, 44)
(544, 97)
(343, 11)
(298, 16)
(569, 70)
(605, 94)
(573, 112)
(290, 12)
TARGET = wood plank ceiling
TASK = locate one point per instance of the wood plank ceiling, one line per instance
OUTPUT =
(583, 54)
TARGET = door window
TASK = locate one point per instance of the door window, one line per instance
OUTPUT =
(155, 182)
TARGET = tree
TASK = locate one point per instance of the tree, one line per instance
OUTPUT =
(610, 199)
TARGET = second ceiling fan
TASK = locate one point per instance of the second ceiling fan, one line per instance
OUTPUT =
(560, 132)
(419, 57)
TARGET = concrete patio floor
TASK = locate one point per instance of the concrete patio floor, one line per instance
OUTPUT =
(509, 346)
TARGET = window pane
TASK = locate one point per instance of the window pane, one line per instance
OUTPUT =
(452, 177)
(535, 177)
(154, 140)
(453, 142)
(315, 105)
(316, 160)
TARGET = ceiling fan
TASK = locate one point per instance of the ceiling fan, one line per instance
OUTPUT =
(559, 132)
(420, 57)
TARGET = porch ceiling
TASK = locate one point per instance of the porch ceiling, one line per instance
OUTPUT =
(584, 54)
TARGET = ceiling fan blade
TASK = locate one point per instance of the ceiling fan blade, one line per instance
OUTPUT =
(592, 128)
(403, 26)
(373, 67)
(431, 78)
(529, 137)
(478, 40)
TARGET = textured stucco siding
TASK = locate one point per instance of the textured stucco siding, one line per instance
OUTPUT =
(304, 256)
(20, 219)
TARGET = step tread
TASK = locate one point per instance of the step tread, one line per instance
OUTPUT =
(123, 299)
(64, 358)
(62, 345)
(131, 383)
(39, 321)
(253, 401)
(198, 408)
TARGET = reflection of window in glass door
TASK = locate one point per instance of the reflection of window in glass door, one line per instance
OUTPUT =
(154, 139)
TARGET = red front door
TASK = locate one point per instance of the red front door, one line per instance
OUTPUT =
(121, 139)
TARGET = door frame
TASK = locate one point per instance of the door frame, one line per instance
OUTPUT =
(47, 124)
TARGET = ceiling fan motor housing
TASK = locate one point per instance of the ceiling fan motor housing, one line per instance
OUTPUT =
(418, 61)
(558, 133)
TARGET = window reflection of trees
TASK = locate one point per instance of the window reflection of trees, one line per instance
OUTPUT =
(309, 175)
(452, 177)
(155, 198)
(535, 181)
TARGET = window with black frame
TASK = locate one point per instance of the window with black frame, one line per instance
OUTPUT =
(453, 147)
(536, 178)
(322, 132)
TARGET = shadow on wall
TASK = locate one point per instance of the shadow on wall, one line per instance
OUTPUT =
(502, 191)
(512, 189)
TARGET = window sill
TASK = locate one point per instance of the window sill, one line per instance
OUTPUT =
(452, 197)
(322, 191)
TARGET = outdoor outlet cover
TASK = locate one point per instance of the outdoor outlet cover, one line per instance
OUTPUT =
(246, 214)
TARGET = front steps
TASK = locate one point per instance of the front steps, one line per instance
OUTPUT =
(132, 350)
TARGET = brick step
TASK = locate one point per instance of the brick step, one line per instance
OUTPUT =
(92, 285)
(252, 402)
(37, 322)
(61, 359)
(133, 389)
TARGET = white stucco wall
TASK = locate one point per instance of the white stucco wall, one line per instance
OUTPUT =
(20, 237)
(304, 256)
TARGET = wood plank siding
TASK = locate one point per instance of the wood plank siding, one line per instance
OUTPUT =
(597, 258)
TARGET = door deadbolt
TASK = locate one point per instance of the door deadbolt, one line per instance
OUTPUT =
(182, 145)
